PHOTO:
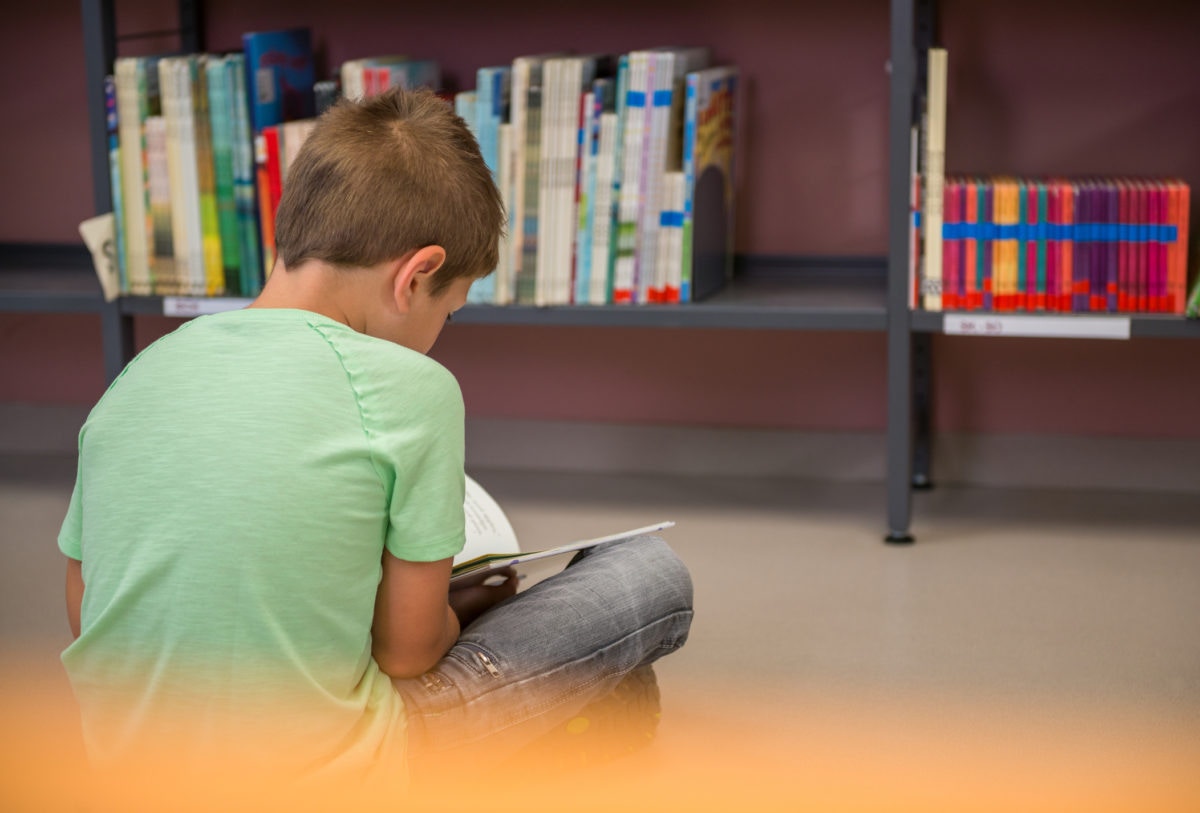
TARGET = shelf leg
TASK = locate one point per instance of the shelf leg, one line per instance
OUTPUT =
(117, 332)
(922, 363)
(902, 66)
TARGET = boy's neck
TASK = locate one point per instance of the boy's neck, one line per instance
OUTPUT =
(311, 286)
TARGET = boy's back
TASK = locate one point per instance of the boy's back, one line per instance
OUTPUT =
(252, 462)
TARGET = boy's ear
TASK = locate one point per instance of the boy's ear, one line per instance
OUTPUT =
(415, 271)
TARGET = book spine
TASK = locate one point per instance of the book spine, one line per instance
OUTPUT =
(529, 183)
(244, 180)
(586, 195)
(670, 251)
(111, 127)
(221, 123)
(131, 114)
(602, 219)
(630, 194)
(213, 254)
(935, 157)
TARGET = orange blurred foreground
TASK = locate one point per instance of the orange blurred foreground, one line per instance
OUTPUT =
(716, 751)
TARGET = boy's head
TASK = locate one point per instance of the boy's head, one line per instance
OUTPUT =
(381, 178)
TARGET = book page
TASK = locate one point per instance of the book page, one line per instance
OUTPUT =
(488, 529)
(497, 561)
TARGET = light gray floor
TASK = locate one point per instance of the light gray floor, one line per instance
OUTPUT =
(1014, 599)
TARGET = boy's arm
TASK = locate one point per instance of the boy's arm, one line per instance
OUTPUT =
(414, 624)
(74, 594)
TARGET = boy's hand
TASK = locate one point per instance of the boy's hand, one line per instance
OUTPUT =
(473, 596)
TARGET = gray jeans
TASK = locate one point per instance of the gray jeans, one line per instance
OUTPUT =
(536, 659)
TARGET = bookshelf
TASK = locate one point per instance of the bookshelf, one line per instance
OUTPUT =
(911, 363)
(767, 293)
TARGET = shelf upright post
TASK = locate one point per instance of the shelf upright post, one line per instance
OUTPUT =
(100, 50)
(903, 68)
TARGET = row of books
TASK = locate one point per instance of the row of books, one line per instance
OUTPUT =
(604, 163)
(1101, 245)
(1009, 244)
(189, 168)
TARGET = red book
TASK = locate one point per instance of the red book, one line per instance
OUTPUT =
(1177, 247)
(971, 288)
(950, 269)
(1031, 247)
(1067, 246)
(1162, 271)
(1123, 245)
(1140, 246)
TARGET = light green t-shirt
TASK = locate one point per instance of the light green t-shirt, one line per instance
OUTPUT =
(237, 487)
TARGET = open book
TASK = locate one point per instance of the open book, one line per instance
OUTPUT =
(492, 543)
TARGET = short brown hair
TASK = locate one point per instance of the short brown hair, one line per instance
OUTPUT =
(387, 175)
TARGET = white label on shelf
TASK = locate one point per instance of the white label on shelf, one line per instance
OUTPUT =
(201, 305)
(1062, 327)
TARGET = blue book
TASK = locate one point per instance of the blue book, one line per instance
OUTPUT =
(493, 86)
(280, 74)
(245, 196)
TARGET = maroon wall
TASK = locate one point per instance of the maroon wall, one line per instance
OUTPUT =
(1067, 88)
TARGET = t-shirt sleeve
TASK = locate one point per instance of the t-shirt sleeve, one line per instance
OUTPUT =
(70, 536)
(416, 426)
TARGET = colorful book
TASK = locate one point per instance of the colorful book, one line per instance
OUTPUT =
(220, 108)
(280, 75)
(709, 130)
(600, 282)
(138, 98)
(280, 68)
(113, 143)
(526, 136)
(249, 236)
(212, 255)
(493, 87)
(661, 153)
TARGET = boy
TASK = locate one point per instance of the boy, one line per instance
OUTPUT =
(268, 500)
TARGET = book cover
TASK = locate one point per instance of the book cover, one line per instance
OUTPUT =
(709, 140)
(281, 74)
